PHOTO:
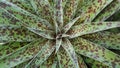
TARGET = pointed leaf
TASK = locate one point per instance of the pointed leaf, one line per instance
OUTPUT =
(82, 7)
(34, 5)
(44, 34)
(21, 55)
(8, 48)
(94, 64)
(70, 9)
(108, 11)
(70, 50)
(59, 13)
(51, 62)
(24, 4)
(87, 28)
(24, 16)
(8, 34)
(106, 39)
(64, 59)
(81, 62)
(42, 55)
(70, 24)
(93, 10)
(41, 32)
(44, 10)
(96, 52)
(58, 44)
(22, 65)
(7, 20)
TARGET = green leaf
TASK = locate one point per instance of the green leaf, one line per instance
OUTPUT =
(53, 2)
(57, 6)
(96, 52)
(87, 28)
(24, 4)
(93, 10)
(70, 24)
(81, 62)
(64, 59)
(44, 34)
(59, 13)
(58, 44)
(50, 62)
(22, 65)
(8, 48)
(70, 50)
(42, 55)
(82, 7)
(37, 31)
(34, 5)
(22, 54)
(44, 10)
(66, 62)
(105, 39)
(70, 9)
(94, 64)
(20, 34)
(7, 20)
(108, 11)
(24, 16)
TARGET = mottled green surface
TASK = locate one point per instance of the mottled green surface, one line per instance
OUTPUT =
(59, 34)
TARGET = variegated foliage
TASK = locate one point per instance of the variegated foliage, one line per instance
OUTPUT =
(59, 34)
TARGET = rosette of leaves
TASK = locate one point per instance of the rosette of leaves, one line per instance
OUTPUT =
(58, 34)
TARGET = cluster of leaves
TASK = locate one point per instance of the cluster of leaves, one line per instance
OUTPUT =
(59, 34)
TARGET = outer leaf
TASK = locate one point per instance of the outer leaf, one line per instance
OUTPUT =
(24, 4)
(8, 48)
(106, 39)
(66, 62)
(21, 55)
(64, 59)
(44, 10)
(24, 16)
(40, 8)
(96, 52)
(58, 44)
(54, 6)
(115, 17)
(42, 55)
(69, 49)
(69, 10)
(59, 13)
(22, 65)
(81, 62)
(44, 34)
(8, 34)
(87, 28)
(108, 11)
(82, 6)
(34, 5)
(93, 10)
(94, 64)
(51, 62)
(7, 20)
(70, 24)
(52, 3)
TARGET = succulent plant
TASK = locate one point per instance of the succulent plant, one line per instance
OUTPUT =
(59, 34)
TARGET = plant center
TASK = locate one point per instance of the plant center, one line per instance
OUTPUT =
(59, 36)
